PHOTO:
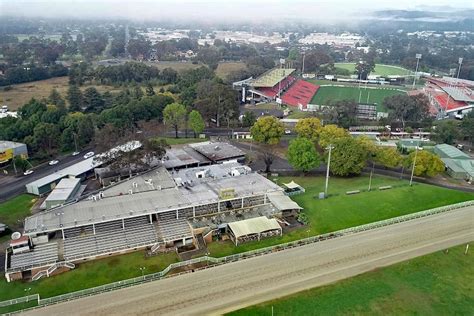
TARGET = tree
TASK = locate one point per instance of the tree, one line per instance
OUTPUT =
(56, 99)
(330, 133)
(209, 56)
(309, 128)
(21, 163)
(149, 90)
(196, 122)
(46, 136)
(446, 132)
(248, 119)
(403, 107)
(74, 97)
(348, 157)
(346, 113)
(302, 155)
(174, 114)
(388, 157)
(92, 100)
(467, 126)
(426, 164)
(268, 131)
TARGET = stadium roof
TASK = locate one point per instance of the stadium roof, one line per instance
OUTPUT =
(187, 193)
(459, 94)
(252, 226)
(272, 77)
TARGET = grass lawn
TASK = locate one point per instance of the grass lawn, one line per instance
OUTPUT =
(435, 284)
(182, 140)
(16, 209)
(89, 274)
(341, 211)
(325, 95)
(381, 70)
(224, 69)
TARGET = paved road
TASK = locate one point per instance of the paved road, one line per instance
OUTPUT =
(228, 287)
(12, 186)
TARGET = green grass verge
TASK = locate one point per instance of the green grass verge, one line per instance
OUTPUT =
(380, 69)
(182, 140)
(16, 209)
(89, 274)
(435, 284)
(326, 95)
(341, 211)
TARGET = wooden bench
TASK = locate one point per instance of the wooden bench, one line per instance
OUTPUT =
(385, 187)
(352, 192)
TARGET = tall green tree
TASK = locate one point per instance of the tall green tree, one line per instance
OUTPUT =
(404, 108)
(388, 157)
(174, 115)
(46, 136)
(302, 155)
(149, 90)
(330, 133)
(309, 128)
(426, 163)
(446, 132)
(268, 131)
(196, 122)
(56, 99)
(92, 100)
(348, 157)
(74, 97)
(467, 127)
(248, 119)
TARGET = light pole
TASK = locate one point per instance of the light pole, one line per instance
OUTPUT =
(330, 148)
(302, 68)
(27, 290)
(418, 57)
(371, 173)
(142, 269)
(459, 69)
(414, 163)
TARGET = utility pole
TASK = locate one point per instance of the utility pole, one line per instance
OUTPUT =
(418, 57)
(330, 147)
(371, 174)
(414, 163)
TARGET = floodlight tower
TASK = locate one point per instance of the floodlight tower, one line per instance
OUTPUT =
(418, 57)
(302, 68)
(459, 69)
(282, 62)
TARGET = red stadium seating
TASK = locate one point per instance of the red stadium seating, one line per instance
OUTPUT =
(273, 92)
(301, 92)
(450, 104)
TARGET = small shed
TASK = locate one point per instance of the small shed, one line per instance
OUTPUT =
(293, 188)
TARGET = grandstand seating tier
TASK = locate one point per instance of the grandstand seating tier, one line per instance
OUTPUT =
(301, 92)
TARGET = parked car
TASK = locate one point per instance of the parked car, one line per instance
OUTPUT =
(27, 172)
(287, 132)
(53, 162)
(89, 154)
(75, 153)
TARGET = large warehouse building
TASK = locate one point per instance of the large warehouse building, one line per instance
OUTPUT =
(155, 210)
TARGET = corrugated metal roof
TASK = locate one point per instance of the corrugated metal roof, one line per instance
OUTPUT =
(255, 225)
(448, 151)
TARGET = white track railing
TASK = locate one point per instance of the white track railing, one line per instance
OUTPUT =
(241, 256)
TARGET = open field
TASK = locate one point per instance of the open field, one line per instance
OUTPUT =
(182, 140)
(224, 69)
(381, 70)
(90, 274)
(328, 94)
(341, 211)
(20, 94)
(176, 65)
(435, 284)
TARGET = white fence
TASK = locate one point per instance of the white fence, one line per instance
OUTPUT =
(232, 258)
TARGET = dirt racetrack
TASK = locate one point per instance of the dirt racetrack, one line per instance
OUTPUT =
(247, 282)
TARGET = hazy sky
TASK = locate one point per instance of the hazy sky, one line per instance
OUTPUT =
(211, 10)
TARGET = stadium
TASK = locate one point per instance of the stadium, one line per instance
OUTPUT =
(158, 210)
(277, 85)
(449, 97)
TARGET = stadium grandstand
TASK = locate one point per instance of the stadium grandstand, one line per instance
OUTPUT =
(449, 97)
(277, 85)
(157, 210)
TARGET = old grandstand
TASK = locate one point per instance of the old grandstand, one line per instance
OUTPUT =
(157, 210)
(277, 85)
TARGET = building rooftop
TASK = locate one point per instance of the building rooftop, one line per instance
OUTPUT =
(448, 151)
(217, 151)
(6, 144)
(182, 157)
(63, 189)
(188, 191)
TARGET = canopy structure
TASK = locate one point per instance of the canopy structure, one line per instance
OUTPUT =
(283, 202)
(253, 228)
(293, 186)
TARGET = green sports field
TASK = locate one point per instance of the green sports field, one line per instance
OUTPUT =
(328, 94)
(381, 70)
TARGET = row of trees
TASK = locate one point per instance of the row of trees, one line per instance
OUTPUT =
(349, 155)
